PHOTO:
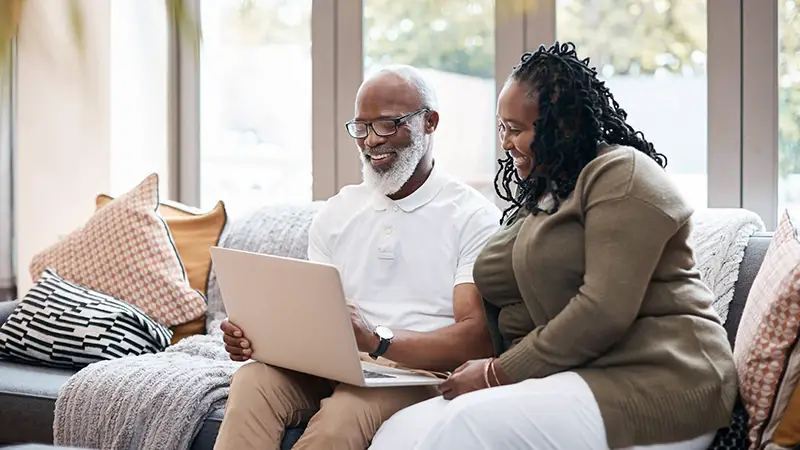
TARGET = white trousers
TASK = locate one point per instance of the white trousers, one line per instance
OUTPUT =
(557, 412)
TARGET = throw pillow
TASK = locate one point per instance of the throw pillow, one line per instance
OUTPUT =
(61, 324)
(194, 233)
(766, 362)
(125, 250)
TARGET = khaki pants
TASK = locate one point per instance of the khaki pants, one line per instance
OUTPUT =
(265, 400)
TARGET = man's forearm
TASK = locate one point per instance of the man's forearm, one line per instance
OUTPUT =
(441, 350)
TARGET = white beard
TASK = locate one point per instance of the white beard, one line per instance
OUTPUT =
(392, 179)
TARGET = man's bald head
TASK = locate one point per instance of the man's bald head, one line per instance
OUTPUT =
(403, 82)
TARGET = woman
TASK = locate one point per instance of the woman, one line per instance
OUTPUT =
(610, 335)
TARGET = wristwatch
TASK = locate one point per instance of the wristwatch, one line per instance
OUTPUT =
(386, 335)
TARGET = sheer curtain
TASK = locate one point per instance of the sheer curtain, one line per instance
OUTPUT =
(7, 272)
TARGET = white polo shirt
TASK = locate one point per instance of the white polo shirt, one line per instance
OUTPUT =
(400, 260)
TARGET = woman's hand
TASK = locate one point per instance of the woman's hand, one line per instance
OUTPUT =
(469, 377)
(235, 344)
(473, 376)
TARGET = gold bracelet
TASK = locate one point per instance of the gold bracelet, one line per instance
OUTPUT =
(494, 374)
(486, 373)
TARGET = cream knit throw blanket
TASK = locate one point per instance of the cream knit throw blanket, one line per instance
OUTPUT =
(146, 402)
(159, 401)
(719, 238)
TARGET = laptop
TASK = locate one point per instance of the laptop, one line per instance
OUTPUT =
(295, 315)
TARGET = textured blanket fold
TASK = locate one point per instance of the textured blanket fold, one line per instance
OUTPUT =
(719, 238)
(155, 401)
(159, 401)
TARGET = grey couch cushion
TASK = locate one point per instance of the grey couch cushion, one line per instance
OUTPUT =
(28, 395)
(748, 269)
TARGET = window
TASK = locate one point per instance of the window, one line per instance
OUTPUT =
(139, 84)
(452, 43)
(713, 110)
(255, 103)
(652, 53)
(789, 106)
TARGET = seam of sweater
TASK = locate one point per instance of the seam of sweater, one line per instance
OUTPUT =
(632, 172)
(628, 188)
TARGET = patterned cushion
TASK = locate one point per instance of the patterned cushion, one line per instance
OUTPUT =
(61, 324)
(194, 232)
(767, 365)
(126, 250)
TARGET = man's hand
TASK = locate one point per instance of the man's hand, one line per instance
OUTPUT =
(446, 348)
(469, 377)
(235, 344)
(366, 338)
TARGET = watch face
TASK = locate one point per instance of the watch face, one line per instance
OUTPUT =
(384, 332)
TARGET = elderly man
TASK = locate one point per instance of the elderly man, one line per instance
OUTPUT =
(404, 242)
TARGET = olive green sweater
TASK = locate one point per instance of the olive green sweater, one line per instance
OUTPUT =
(606, 287)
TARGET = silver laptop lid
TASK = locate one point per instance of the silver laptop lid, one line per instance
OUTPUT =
(293, 312)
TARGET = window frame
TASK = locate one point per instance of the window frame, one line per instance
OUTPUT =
(742, 97)
(7, 113)
(760, 109)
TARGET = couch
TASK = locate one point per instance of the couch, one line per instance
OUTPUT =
(28, 393)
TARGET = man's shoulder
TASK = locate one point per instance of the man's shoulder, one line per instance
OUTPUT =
(344, 204)
(351, 195)
(468, 199)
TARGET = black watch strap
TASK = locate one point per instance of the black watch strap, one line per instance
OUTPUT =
(382, 347)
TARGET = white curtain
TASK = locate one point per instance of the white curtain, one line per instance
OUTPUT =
(7, 272)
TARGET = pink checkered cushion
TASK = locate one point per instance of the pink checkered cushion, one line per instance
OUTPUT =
(126, 251)
(767, 364)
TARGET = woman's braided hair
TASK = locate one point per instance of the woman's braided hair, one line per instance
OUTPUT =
(576, 113)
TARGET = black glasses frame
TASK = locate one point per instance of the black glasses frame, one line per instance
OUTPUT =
(398, 121)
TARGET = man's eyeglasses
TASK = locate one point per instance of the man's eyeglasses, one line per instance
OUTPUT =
(359, 129)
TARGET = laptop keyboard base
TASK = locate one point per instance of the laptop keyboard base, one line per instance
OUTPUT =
(370, 374)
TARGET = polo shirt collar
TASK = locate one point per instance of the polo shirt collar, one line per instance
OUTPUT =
(422, 196)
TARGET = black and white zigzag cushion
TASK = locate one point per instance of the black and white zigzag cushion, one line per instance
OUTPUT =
(61, 324)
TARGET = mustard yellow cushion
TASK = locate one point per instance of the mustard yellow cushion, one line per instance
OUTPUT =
(197, 326)
(787, 434)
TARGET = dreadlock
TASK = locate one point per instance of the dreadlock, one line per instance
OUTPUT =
(576, 113)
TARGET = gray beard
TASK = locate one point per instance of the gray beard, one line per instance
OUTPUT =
(392, 179)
